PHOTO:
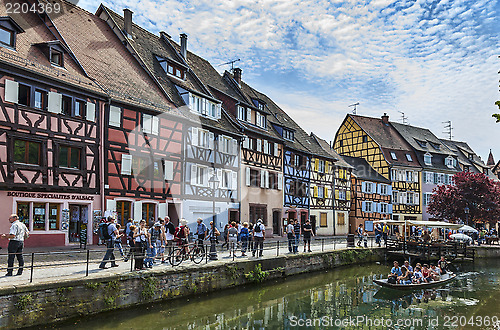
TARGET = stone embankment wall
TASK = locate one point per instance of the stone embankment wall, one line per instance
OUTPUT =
(486, 251)
(35, 304)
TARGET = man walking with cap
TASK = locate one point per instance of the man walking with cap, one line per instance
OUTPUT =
(17, 234)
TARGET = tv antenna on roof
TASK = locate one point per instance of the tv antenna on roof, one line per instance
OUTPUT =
(448, 129)
(230, 62)
(404, 119)
(355, 110)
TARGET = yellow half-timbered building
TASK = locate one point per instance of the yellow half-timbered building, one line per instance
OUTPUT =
(376, 141)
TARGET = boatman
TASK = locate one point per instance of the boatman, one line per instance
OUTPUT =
(395, 273)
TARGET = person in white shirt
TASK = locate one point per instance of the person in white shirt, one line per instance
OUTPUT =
(290, 233)
(17, 234)
(259, 235)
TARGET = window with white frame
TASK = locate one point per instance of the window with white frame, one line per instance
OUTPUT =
(150, 124)
(342, 195)
(203, 138)
(321, 166)
(394, 175)
(450, 179)
(260, 120)
(225, 143)
(242, 113)
(369, 187)
(368, 207)
(427, 198)
(408, 158)
(449, 162)
(201, 175)
(428, 159)
(393, 156)
(384, 208)
(395, 197)
(409, 198)
(288, 134)
(204, 106)
(409, 176)
(384, 189)
(321, 192)
(226, 179)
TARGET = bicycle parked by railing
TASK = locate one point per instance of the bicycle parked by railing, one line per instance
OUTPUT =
(193, 252)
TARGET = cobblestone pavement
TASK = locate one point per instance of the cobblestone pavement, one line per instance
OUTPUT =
(48, 268)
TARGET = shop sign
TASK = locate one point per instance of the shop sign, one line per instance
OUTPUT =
(50, 196)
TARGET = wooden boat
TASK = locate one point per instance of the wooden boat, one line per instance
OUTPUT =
(444, 279)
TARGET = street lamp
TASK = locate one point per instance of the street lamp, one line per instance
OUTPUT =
(214, 183)
(467, 210)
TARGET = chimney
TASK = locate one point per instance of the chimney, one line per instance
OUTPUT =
(184, 44)
(127, 21)
(385, 119)
(237, 75)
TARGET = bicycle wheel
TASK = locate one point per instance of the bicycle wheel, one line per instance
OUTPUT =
(176, 256)
(197, 255)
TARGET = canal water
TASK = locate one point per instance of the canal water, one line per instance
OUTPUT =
(342, 298)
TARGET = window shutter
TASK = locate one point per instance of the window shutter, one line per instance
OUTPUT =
(194, 136)
(327, 166)
(363, 187)
(249, 115)
(266, 146)
(389, 190)
(280, 181)
(111, 205)
(156, 126)
(211, 139)
(363, 206)
(416, 198)
(90, 111)
(207, 175)
(115, 114)
(246, 142)
(326, 192)
(262, 179)
(247, 176)
(257, 119)
(234, 181)
(276, 150)
(315, 191)
(146, 123)
(169, 170)
(348, 195)
(55, 103)
(220, 142)
(138, 211)
(267, 178)
(337, 194)
(162, 210)
(193, 174)
(415, 176)
(11, 91)
(218, 111)
(259, 145)
(235, 147)
(316, 164)
(379, 188)
(126, 164)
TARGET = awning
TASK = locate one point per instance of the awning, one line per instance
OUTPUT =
(435, 224)
(390, 222)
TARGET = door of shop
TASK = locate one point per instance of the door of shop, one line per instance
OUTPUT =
(276, 222)
(78, 220)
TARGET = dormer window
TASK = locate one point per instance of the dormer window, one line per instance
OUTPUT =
(7, 37)
(204, 106)
(172, 68)
(8, 31)
(408, 158)
(56, 57)
(393, 156)
(288, 134)
(428, 159)
(449, 162)
(435, 146)
(260, 120)
(422, 144)
(242, 113)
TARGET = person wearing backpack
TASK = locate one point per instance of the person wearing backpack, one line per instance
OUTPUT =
(169, 235)
(232, 235)
(244, 234)
(290, 233)
(259, 236)
(109, 233)
(359, 232)
(17, 234)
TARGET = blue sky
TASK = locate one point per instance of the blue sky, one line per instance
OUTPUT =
(433, 60)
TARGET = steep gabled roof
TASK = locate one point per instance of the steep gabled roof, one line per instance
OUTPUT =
(364, 171)
(29, 58)
(106, 59)
(338, 159)
(148, 47)
(388, 139)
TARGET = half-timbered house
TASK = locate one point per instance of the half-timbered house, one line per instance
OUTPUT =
(142, 131)
(389, 154)
(261, 152)
(341, 196)
(210, 142)
(49, 132)
(439, 163)
(371, 195)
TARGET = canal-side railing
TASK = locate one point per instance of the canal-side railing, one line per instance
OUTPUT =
(433, 250)
(83, 262)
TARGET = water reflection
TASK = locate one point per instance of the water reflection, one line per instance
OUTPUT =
(337, 294)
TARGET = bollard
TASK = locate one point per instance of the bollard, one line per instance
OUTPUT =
(322, 244)
(32, 264)
(206, 254)
(87, 267)
(132, 260)
(334, 244)
(277, 248)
